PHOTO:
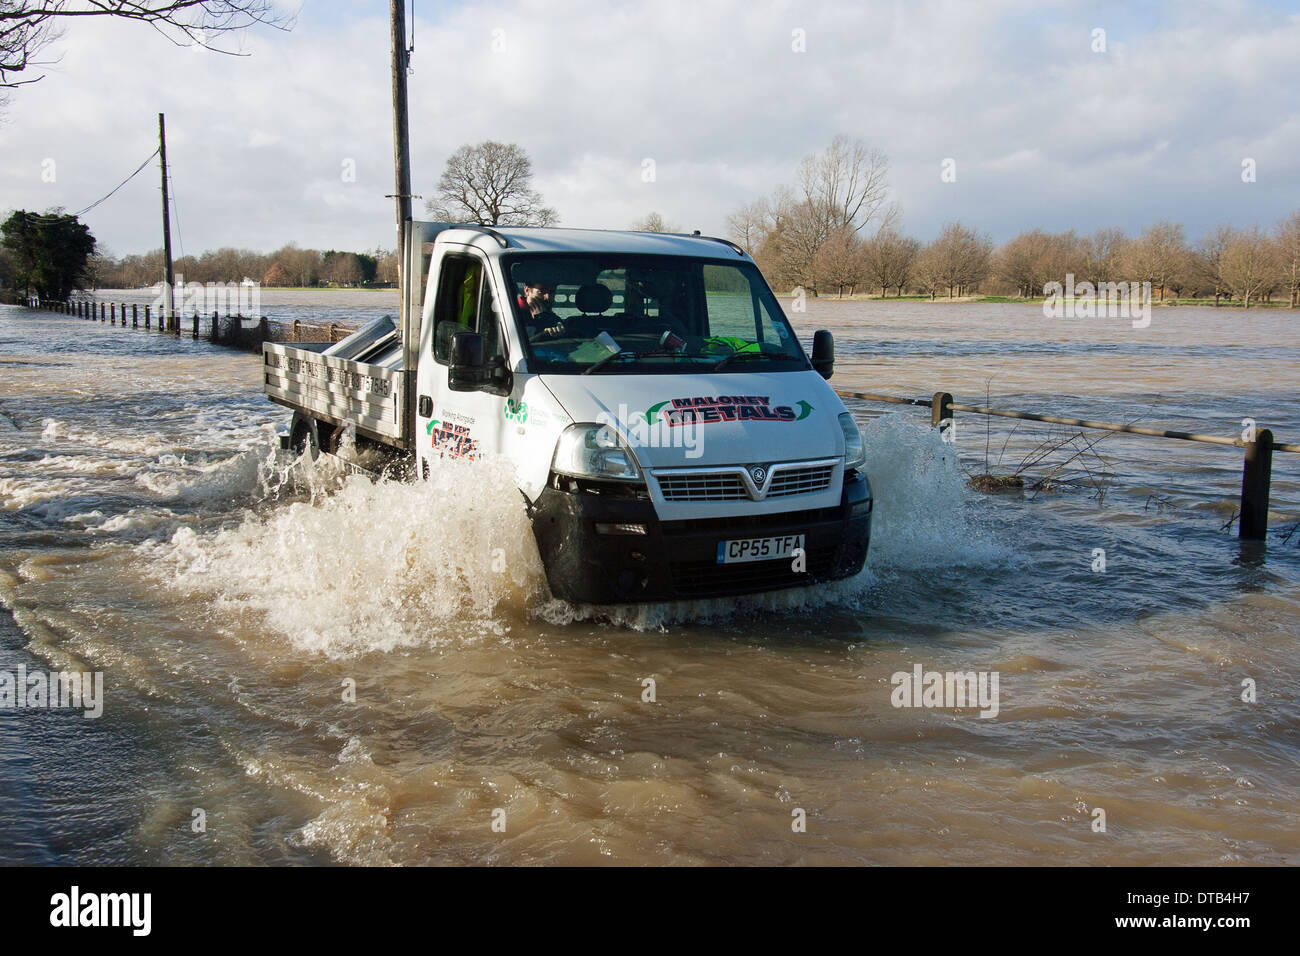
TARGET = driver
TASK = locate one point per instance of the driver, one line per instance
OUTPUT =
(541, 322)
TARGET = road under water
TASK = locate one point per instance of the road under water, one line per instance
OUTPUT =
(150, 530)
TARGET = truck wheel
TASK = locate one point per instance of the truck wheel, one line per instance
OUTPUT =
(304, 437)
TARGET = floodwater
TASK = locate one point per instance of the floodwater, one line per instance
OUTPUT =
(304, 668)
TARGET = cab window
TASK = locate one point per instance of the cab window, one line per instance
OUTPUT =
(465, 304)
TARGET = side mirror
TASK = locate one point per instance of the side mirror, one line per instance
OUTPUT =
(823, 357)
(466, 373)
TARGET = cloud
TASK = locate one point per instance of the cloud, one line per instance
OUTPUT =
(1044, 130)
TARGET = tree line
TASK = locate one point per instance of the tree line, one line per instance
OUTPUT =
(287, 266)
(836, 231)
(1247, 265)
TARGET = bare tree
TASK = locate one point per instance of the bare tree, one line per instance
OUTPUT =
(1034, 258)
(888, 260)
(961, 257)
(302, 264)
(277, 275)
(798, 232)
(1101, 255)
(1158, 255)
(929, 274)
(1249, 265)
(749, 225)
(838, 262)
(1288, 255)
(28, 27)
(1209, 260)
(841, 190)
(654, 223)
(846, 186)
(385, 266)
(490, 184)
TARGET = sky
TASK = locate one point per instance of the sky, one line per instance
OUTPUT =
(1046, 122)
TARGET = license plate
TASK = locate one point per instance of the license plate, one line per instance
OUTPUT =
(758, 549)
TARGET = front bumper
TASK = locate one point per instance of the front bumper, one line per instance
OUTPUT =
(591, 560)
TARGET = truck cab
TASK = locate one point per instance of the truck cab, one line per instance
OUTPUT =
(668, 432)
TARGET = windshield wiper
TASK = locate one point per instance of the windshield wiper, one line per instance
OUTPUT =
(628, 354)
(774, 356)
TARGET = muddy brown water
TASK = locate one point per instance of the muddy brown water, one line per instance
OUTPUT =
(149, 530)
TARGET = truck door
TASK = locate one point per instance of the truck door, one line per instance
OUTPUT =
(458, 424)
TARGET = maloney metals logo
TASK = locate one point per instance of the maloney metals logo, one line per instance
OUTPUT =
(707, 410)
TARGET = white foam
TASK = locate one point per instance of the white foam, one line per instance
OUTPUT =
(375, 565)
(366, 566)
(921, 517)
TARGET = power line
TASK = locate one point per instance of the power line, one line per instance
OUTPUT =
(82, 212)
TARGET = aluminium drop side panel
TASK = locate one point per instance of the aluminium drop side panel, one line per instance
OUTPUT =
(336, 389)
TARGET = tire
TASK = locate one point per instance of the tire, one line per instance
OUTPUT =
(304, 437)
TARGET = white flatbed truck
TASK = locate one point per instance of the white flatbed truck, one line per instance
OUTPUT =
(668, 432)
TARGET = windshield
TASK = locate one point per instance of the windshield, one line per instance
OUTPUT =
(609, 314)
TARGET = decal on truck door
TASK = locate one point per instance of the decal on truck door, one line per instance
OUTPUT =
(516, 410)
(706, 410)
(451, 439)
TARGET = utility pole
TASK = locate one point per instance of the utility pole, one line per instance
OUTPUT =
(401, 149)
(408, 316)
(168, 307)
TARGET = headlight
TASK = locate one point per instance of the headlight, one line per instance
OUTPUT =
(595, 451)
(855, 452)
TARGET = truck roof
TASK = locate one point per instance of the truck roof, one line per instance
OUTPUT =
(548, 239)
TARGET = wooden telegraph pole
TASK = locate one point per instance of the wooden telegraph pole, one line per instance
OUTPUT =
(168, 317)
(401, 141)
(407, 317)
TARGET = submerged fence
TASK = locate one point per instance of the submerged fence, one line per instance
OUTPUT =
(1257, 461)
(234, 331)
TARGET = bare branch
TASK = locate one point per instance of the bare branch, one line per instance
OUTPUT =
(29, 26)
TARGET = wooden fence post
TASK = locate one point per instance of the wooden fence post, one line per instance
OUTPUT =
(940, 409)
(297, 334)
(216, 327)
(146, 318)
(135, 316)
(1255, 477)
(196, 323)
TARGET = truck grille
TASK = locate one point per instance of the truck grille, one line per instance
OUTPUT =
(736, 484)
(703, 487)
(800, 481)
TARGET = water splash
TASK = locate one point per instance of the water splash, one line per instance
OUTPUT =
(373, 565)
(922, 517)
(363, 565)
